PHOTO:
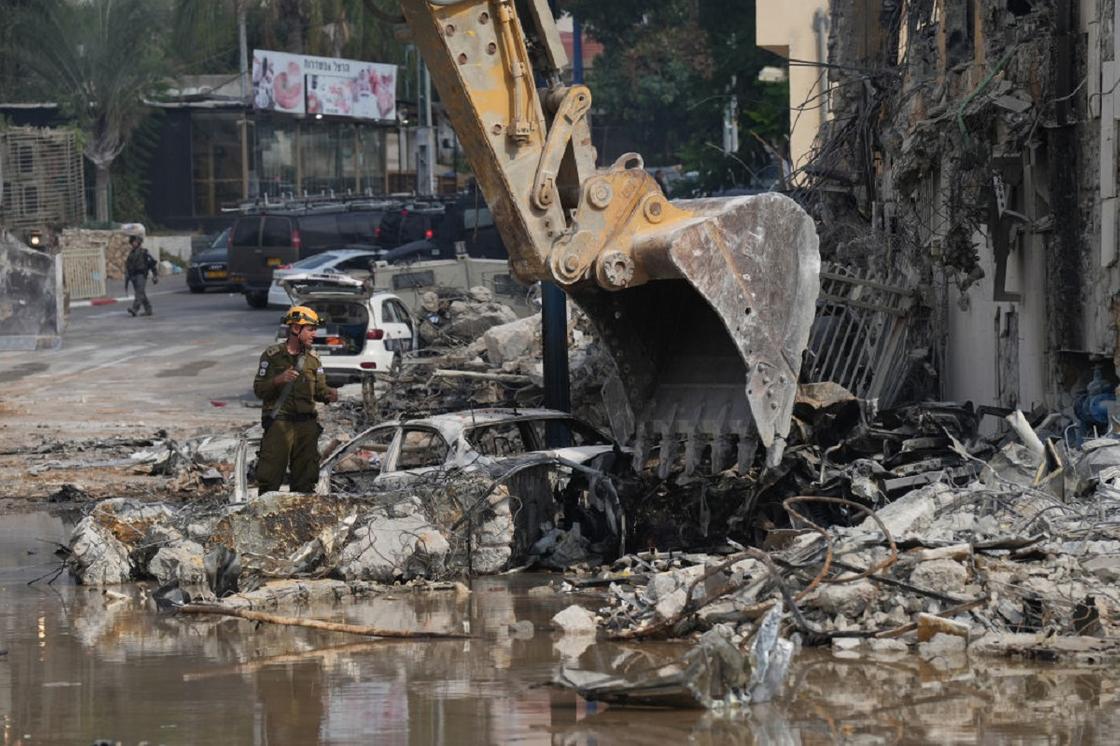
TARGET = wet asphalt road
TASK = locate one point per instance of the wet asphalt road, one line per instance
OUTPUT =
(188, 366)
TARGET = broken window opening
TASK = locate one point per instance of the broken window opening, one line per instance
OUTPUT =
(26, 159)
(1019, 8)
(368, 454)
(958, 25)
(576, 433)
(498, 441)
(421, 449)
(30, 200)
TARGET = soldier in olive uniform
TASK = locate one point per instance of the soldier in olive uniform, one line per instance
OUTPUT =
(137, 265)
(290, 380)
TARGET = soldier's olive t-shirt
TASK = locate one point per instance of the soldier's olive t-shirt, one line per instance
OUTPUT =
(310, 387)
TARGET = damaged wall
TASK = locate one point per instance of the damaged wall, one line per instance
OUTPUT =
(966, 151)
(31, 313)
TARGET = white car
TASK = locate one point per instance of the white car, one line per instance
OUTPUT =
(360, 331)
(494, 440)
(338, 260)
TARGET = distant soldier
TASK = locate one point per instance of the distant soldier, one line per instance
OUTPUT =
(290, 380)
(137, 266)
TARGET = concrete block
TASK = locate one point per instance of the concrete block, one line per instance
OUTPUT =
(848, 599)
(575, 620)
(944, 575)
(31, 315)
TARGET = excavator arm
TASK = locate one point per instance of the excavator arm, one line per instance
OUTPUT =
(705, 305)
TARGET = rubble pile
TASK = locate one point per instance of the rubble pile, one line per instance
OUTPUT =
(840, 446)
(433, 529)
(479, 353)
(715, 674)
(1017, 553)
(453, 318)
(195, 466)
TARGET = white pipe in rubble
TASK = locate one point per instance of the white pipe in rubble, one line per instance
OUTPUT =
(1026, 434)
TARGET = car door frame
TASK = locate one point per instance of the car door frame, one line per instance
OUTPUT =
(396, 330)
(326, 468)
(412, 323)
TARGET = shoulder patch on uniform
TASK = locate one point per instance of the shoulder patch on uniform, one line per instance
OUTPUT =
(264, 367)
(319, 370)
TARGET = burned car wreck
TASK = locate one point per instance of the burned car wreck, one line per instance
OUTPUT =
(488, 479)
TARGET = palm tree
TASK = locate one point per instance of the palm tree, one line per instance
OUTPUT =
(98, 59)
(359, 29)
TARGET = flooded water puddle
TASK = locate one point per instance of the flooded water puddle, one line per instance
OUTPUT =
(83, 665)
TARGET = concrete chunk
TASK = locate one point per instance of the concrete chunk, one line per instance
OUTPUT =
(181, 561)
(671, 604)
(848, 599)
(397, 547)
(909, 512)
(97, 557)
(942, 646)
(1105, 568)
(510, 342)
(944, 575)
(575, 620)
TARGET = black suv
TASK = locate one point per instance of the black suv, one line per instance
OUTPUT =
(468, 221)
(267, 237)
(412, 222)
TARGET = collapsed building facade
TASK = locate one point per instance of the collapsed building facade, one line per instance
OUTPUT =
(970, 149)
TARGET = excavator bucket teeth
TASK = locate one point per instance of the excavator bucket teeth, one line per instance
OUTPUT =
(711, 359)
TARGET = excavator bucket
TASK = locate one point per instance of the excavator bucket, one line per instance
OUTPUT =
(708, 357)
(705, 305)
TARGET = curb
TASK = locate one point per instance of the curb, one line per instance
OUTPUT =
(106, 301)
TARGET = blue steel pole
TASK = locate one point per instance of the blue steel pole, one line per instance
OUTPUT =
(554, 310)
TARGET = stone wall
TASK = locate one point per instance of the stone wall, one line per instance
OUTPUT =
(115, 244)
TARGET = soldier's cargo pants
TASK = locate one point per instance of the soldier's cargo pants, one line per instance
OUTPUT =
(140, 295)
(286, 442)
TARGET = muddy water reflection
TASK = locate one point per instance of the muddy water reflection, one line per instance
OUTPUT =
(82, 665)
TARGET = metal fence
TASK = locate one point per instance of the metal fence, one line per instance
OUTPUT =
(41, 174)
(84, 273)
(860, 333)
